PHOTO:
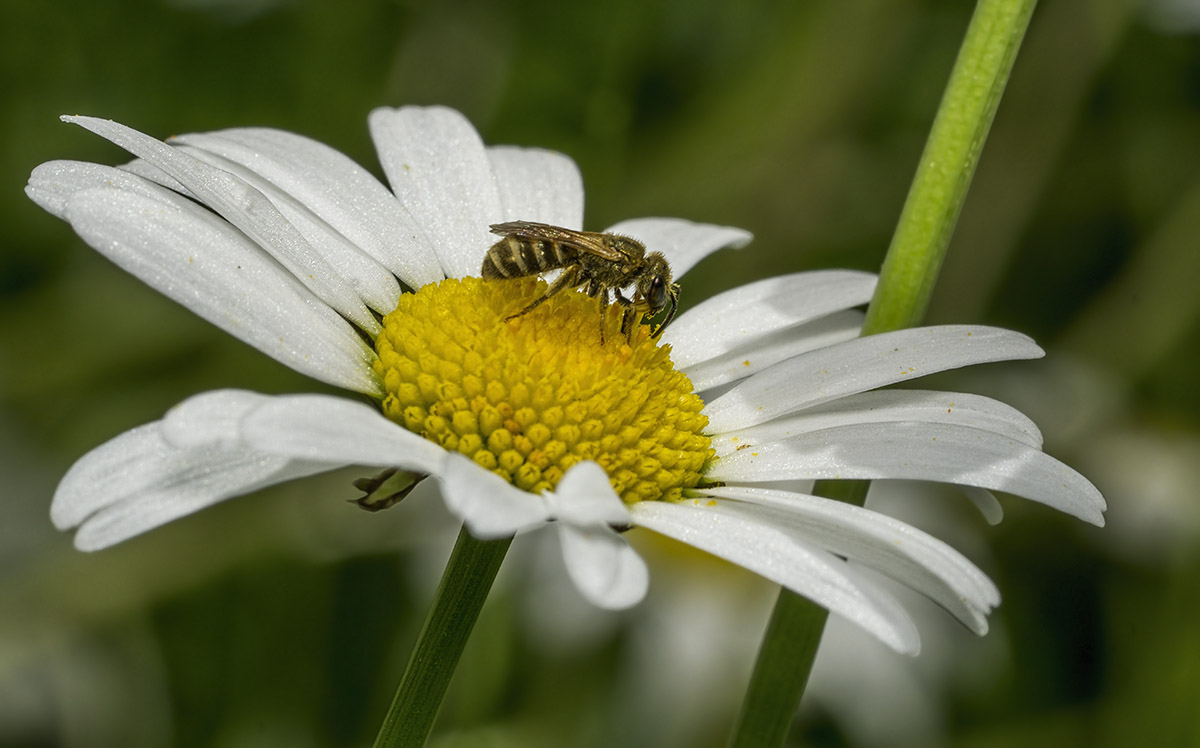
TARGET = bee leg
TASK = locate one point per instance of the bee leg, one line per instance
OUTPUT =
(568, 279)
(628, 314)
(600, 293)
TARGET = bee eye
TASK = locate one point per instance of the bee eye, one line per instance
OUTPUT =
(657, 298)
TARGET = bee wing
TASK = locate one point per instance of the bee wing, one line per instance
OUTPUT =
(591, 242)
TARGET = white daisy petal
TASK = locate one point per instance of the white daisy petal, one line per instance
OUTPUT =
(439, 170)
(374, 284)
(876, 541)
(53, 183)
(246, 208)
(200, 261)
(335, 188)
(859, 365)
(240, 475)
(321, 427)
(744, 314)
(209, 418)
(608, 572)
(891, 406)
(538, 185)
(784, 559)
(757, 355)
(490, 506)
(584, 496)
(147, 170)
(985, 502)
(917, 451)
(137, 481)
(683, 243)
(112, 469)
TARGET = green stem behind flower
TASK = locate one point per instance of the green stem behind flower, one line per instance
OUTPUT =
(939, 187)
(464, 588)
(905, 285)
(787, 653)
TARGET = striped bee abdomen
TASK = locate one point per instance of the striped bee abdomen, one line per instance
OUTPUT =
(512, 257)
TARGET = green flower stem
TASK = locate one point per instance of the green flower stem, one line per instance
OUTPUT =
(905, 284)
(781, 672)
(464, 587)
(948, 163)
(787, 653)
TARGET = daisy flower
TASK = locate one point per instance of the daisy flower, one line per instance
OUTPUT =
(551, 417)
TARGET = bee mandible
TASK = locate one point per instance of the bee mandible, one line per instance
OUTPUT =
(592, 261)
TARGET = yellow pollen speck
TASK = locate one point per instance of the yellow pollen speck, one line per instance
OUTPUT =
(529, 397)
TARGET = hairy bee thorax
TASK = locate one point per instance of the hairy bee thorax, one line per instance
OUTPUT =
(529, 396)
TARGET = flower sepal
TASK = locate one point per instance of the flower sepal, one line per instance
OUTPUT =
(386, 489)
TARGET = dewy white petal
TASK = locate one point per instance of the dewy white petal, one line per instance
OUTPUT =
(112, 469)
(374, 284)
(917, 451)
(490, 506)
(538, 185)
(891, 406)
(786, 560)
(246, 208)
(682, 242)
(859, 365)
(209, 418)
(147, 170)
(334, 428)
(335, 188)
(439, 170)
(53, 183)
(584, 496)
(741, 315)
(137, 481)
(877, 541)
(200, 261)
(608, 572)
(757, 355)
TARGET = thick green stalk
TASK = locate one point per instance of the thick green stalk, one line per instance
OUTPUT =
(905, 284)
(464, 587)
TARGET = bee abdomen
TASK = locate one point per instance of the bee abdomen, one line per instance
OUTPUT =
(514, 258)
(490, 269)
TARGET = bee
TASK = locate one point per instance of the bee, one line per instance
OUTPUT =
(591, 261)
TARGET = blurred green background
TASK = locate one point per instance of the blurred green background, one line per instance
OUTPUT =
(285, 618)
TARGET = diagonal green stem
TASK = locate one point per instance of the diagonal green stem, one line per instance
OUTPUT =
(940, 185)
(906, 281)
(464, 588)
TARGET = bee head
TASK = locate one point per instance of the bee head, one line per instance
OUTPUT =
(656, 288)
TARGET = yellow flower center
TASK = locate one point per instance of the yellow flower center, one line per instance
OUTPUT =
(529, 397)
